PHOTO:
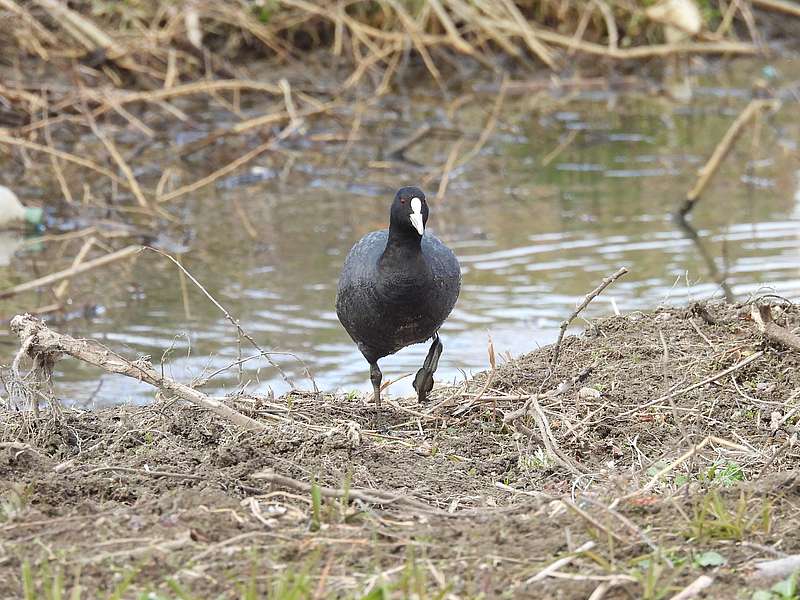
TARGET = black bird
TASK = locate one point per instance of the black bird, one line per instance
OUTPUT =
(396, 289)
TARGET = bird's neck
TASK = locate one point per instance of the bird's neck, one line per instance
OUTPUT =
(402, 248)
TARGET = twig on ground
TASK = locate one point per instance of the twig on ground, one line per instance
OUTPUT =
(550, 443)
(532, 408)
(555, 566)
(589, 297)
(146, 472)
(368, 495)
(742, 363)
(681, 459)
(164, 548)
(694, 588)
(21, 448)
(593, 521)
(762, 317)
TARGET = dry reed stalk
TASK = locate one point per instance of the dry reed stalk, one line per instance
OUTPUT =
(71, 271)
(390, 49)
(121, 162)
(113, 99)
(87, 33)
(724, 146)
(448, 167)
(13, 141)
(352, 135)
(611, 24)
(184, 289)
(529, 34)
(491, 123)
(244, 20)
(186, 89)
(455, 37)
(36, 102)
(789, 8)
(229, 168)
(254, 123)
(62, 287)
(416, 35)
(244, 219)
(54, 162)
(30, 20)
(563, 145)
(471, 15)
(637, 52)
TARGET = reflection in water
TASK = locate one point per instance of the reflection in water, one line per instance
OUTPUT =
(10, 242)
(532, 240)
(720, 277)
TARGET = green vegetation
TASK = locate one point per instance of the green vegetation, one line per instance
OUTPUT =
(783, 590)
(714, 518)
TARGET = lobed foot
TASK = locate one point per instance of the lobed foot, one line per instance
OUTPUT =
(423, 381)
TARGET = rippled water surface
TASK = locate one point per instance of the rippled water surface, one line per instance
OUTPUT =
(564, 192)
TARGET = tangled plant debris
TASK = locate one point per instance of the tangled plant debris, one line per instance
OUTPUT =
(686, 448)
(654, 456)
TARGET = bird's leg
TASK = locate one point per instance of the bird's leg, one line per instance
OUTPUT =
(423, 382)
(375, 375)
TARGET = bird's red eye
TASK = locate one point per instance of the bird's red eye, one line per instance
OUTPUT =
(402, 200)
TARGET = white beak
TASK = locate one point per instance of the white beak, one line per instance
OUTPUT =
(416, 215)
(416, 221)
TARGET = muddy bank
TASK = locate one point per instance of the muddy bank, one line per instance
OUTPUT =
(436, 501)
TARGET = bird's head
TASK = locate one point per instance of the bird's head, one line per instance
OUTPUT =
(409, 211)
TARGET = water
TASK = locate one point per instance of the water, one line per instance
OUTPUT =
(532, 239)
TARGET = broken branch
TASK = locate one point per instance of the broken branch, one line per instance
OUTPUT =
(40, 342)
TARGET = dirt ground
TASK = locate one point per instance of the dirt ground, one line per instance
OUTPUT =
(637, 473)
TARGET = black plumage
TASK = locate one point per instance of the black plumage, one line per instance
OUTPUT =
(397, 287)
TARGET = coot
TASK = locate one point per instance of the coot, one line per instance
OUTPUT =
(396, 289)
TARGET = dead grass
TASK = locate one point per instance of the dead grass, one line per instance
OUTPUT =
(78, 77)
(152, 44)
(450, 501)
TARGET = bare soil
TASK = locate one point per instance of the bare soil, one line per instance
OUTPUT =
(166, 500)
